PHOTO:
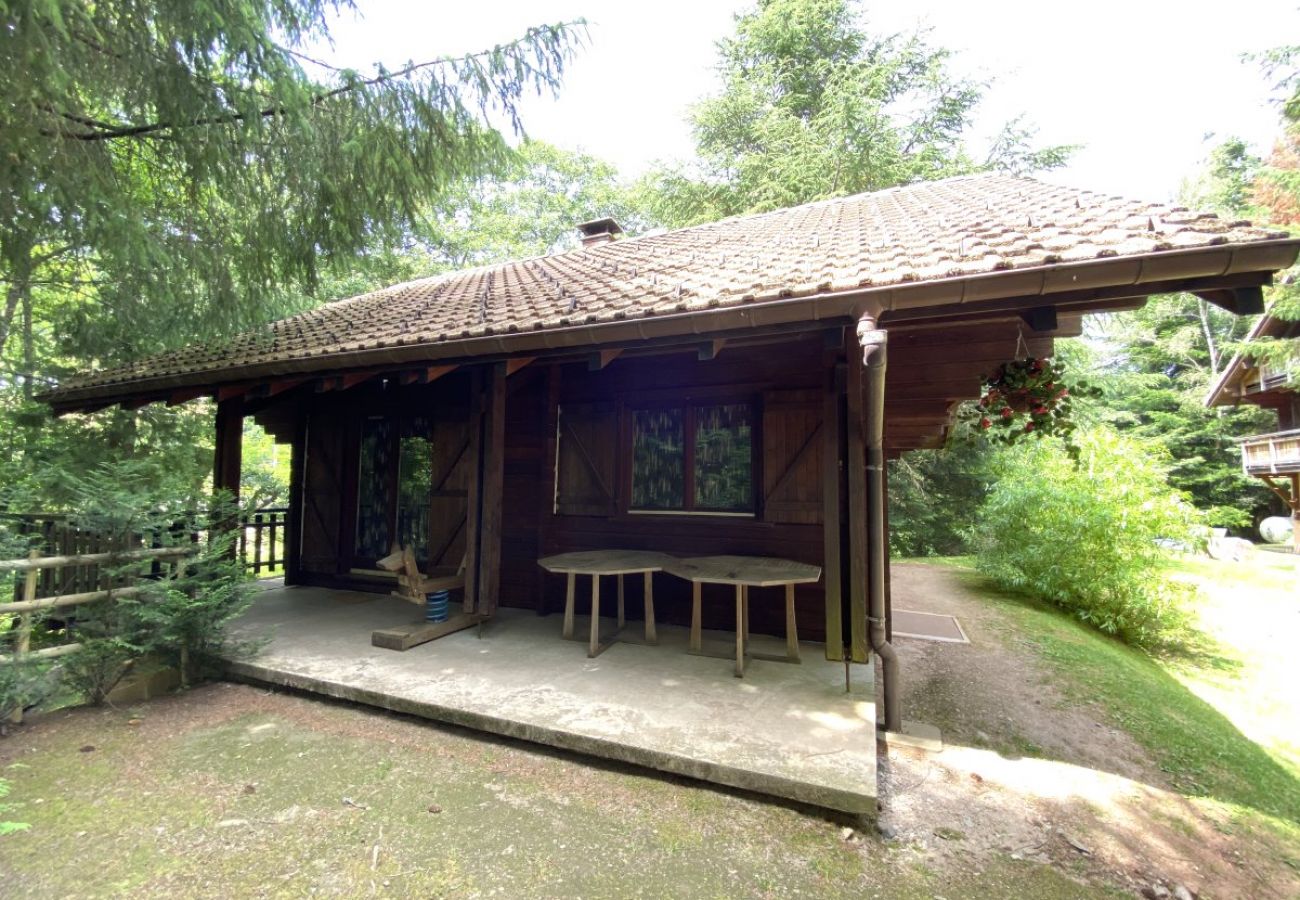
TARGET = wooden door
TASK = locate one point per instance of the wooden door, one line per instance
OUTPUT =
(792, 457)
(453, 467)
(322, 494)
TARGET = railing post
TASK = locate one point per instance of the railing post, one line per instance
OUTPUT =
(24, 645)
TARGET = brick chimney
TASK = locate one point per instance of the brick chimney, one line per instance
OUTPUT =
(599, 231)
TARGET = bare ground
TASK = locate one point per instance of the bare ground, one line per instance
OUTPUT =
(1029, 774)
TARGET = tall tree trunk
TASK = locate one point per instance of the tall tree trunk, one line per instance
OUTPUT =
(19, 291)
(29, 352)
(1203, 310)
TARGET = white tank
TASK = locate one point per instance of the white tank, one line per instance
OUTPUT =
(1275, 529)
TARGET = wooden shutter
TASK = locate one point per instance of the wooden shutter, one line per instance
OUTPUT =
(453, 466)
(322, 494)
(792, 457)
(586, 462)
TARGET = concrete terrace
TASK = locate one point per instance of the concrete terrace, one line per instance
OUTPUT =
(788, 731)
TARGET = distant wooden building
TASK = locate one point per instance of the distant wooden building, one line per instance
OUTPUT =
(1272, 457)
(720, 389)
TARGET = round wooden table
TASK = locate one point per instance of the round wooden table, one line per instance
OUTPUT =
(596, 563)
(745, 572)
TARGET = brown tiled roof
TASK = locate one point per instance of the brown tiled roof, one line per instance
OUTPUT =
(927, 232)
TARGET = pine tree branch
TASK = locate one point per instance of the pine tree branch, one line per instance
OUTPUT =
(230, 118)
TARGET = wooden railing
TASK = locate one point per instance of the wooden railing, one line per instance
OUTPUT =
(29, 603)
(1271, 454)
(262, 539)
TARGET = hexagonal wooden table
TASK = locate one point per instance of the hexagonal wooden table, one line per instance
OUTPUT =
(745, 572)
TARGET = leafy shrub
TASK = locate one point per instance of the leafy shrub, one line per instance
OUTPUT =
(95, 669)
(186, 620)
(1083, 534)
(24, 685)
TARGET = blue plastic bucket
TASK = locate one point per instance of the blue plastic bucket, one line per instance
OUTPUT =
(437, 606)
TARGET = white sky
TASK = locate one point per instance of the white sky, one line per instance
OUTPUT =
(1148, 87)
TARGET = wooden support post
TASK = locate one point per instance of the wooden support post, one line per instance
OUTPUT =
(857, 483)
(228, 461)
(24, 644)
(293, 521)
(494, 439)
(474, 508)
(832, 526)
(621, 615)
(229, 446)
(1295, 512)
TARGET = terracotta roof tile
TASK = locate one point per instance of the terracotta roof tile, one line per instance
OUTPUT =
(933, 230)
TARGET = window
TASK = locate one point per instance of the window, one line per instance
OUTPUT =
(693, 458)
(393, 487)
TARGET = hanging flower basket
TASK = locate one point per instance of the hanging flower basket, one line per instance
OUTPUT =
(1025, 396)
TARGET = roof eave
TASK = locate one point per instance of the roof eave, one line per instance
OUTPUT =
(1141, 273)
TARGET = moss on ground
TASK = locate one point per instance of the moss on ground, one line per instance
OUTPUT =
(228, 791)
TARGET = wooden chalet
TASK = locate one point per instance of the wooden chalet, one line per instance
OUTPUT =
(730, 388)
(1273, 457)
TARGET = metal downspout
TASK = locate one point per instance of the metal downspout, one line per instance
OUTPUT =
(875, 358)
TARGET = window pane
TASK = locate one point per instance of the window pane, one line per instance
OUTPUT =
(724, 458)
(414, 476)
(373, 538)
(658, 459)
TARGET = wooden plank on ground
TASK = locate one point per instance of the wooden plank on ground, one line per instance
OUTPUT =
(404, 637)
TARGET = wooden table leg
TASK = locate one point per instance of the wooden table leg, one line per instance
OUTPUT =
(740, 631)
(695, 616)
(593, 648)
(651, 636)
(744, 596)
(621, 619)
(568, 608)
(791, 631)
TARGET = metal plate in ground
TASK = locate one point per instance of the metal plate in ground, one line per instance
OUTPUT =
(928, 627)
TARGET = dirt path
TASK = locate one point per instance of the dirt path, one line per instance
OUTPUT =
(1027, 773)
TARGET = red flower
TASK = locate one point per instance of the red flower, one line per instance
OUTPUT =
(1040, 410)
(1029, 426)
(985, 422)
(1007, 412)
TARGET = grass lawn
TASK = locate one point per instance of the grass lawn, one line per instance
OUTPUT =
(1222, 721)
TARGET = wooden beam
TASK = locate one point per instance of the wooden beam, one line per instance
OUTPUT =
(185, 395)
(274, 388)
(426, 375)
(1040, 318)
(711, 349)
(329, 383)
(602, 358)
(832, 533)
(231, 391)
(514, 365)
(404, 637)
(137, 402)
(1244, 301)
(352, 379)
